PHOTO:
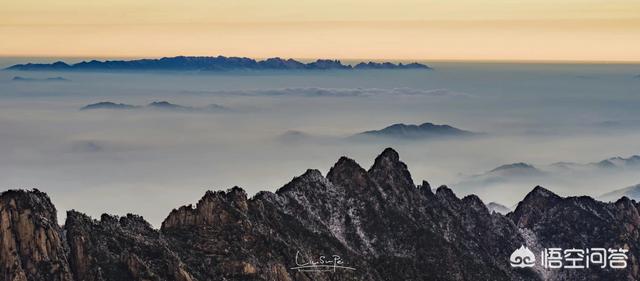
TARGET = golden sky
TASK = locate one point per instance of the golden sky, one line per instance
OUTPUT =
(582, 30)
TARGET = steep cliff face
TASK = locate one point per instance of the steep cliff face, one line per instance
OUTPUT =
(379, 224)
(31, 242)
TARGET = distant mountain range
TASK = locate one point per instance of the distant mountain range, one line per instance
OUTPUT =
(500, 175)
(350, 224)
(158, 105)
(415, 132)
(610, 163)
(396, 132)
(48, 79)
(513, 170)
(219, 63)
(631, 192)
(109, 105)
(506, 181)
(518, 170)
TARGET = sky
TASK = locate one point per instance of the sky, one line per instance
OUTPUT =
(542, 30)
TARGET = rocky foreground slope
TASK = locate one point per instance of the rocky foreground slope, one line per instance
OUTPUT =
(377, 221)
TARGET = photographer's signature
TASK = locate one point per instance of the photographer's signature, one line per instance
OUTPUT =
(320, 264)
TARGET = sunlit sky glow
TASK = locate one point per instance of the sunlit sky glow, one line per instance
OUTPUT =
(582, 30)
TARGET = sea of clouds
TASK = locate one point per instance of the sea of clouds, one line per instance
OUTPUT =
(148, 162)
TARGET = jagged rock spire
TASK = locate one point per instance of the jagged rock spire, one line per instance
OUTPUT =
(391, 173)
(533, 206)
(348, 173)
(215, 207)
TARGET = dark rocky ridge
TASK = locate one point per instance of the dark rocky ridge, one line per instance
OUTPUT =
(377, 220)
(219, 63)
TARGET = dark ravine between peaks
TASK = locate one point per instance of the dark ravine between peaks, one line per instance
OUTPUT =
(378, 222)
(219, 63)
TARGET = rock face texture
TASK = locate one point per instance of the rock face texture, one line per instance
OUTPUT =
(374, 224)
(31, 242)
(125, 248)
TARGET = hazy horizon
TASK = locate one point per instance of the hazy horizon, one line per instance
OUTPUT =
(6, 61)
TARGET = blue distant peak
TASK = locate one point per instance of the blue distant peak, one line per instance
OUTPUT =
(219, 63)
(422, 131)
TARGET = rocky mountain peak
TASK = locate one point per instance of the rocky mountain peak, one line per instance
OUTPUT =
(625, 201)
(309, 176)
(474, 202)
(215, 207)
(388, 161)
(34, 200)
(344, 165)
(425, 188)
(539, 196)
(445, 192)
(348, 173)
(312, 174)
(541, 192)
(425, 185)
(388, 154)
(446, 197)
(310, 182)
(391, 174)
(531, 207)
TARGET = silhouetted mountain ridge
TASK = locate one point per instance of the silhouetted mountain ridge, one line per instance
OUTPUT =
(156, 105)
(631, 192)
(219, 63)
(377, 220)
(415, 132)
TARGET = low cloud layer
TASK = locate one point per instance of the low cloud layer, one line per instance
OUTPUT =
(337, 92)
